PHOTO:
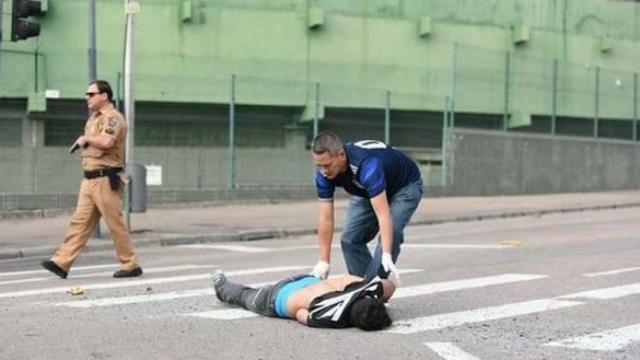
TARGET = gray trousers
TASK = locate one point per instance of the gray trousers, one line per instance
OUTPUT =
(261, 300)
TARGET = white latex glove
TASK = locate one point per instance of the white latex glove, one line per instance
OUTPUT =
(321, 270)
(389, 266)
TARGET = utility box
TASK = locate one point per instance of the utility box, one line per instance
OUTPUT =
(520, 34)
(37, 102)
(186, 11)
(519, 119)
(424, 26)
(606, 44)
(309, 112)
(137, 187)
(316, 18)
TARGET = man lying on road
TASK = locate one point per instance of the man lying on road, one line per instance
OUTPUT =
(338, 302)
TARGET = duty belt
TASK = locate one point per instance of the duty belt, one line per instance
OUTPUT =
(111, 172)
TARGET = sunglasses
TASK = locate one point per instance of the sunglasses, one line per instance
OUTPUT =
(91, 94)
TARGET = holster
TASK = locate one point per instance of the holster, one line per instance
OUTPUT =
(111, 172)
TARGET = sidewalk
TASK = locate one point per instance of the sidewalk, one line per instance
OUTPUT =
(162, 227)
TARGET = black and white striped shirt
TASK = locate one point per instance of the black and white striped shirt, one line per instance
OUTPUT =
(331, 310)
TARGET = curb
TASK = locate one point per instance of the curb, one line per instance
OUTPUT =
(262, 234)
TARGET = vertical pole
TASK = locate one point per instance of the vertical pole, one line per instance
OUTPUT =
(129, 103)
(554, 97)
(445, 120)
(507, 85)
(454, 80)
(635, 106)
(35, 70)
(91, 53)
(387, 117)
(596, 103)
(316, 116)
(131, 9)
(232, 148)
(1, 16)
(118, 89)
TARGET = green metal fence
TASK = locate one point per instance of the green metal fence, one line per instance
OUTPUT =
(544, 95)
(241, 131)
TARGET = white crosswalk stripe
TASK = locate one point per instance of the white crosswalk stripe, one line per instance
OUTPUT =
(251, 249)
(29, 280)
(458, 246)
(605, 293)
(612, 272)
(138, 282)
(258, 249)
(609, 340)
(137, 298)
(152, 270)
(237, 248)
(42, 271)
(463, 284)
(448, 351)
(441, 321)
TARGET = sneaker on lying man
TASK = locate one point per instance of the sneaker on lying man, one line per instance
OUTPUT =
(217, 279)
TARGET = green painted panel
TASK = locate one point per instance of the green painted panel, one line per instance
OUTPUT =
(363, 48)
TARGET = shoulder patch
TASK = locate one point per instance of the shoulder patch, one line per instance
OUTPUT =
(113, 121)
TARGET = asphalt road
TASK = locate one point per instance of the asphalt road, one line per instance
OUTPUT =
(552, 287)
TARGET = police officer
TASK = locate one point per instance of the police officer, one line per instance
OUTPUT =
(102, 146)
(386, 186)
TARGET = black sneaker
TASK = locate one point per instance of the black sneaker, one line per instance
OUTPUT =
(125, 273)
(54, 268)
(217, 279)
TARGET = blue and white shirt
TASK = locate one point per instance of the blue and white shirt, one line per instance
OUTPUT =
(373, 167)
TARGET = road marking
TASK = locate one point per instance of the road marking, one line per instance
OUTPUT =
(605, 293)
(42, 271)
(443, 233)
(610, 340)
(463, 284)
(448, 351)
(400, 293)
(118, 283)
(227, 314)
(136, 299)
(125, 300)
(237, 248)
(251, 249)
(458, 246)
(612, 272)
(21, 281)
(258, 249)
(153, 270)
(441, 321)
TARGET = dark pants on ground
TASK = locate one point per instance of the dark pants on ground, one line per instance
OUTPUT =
(261, 300)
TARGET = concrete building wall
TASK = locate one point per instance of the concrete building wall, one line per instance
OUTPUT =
(496, 163)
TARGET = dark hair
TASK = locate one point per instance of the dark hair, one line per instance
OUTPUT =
(369, 314)
(103, 87)
(326, 141)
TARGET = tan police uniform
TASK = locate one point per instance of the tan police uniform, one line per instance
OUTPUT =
(96, 198)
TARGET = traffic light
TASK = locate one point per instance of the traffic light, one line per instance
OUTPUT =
(21, 27)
